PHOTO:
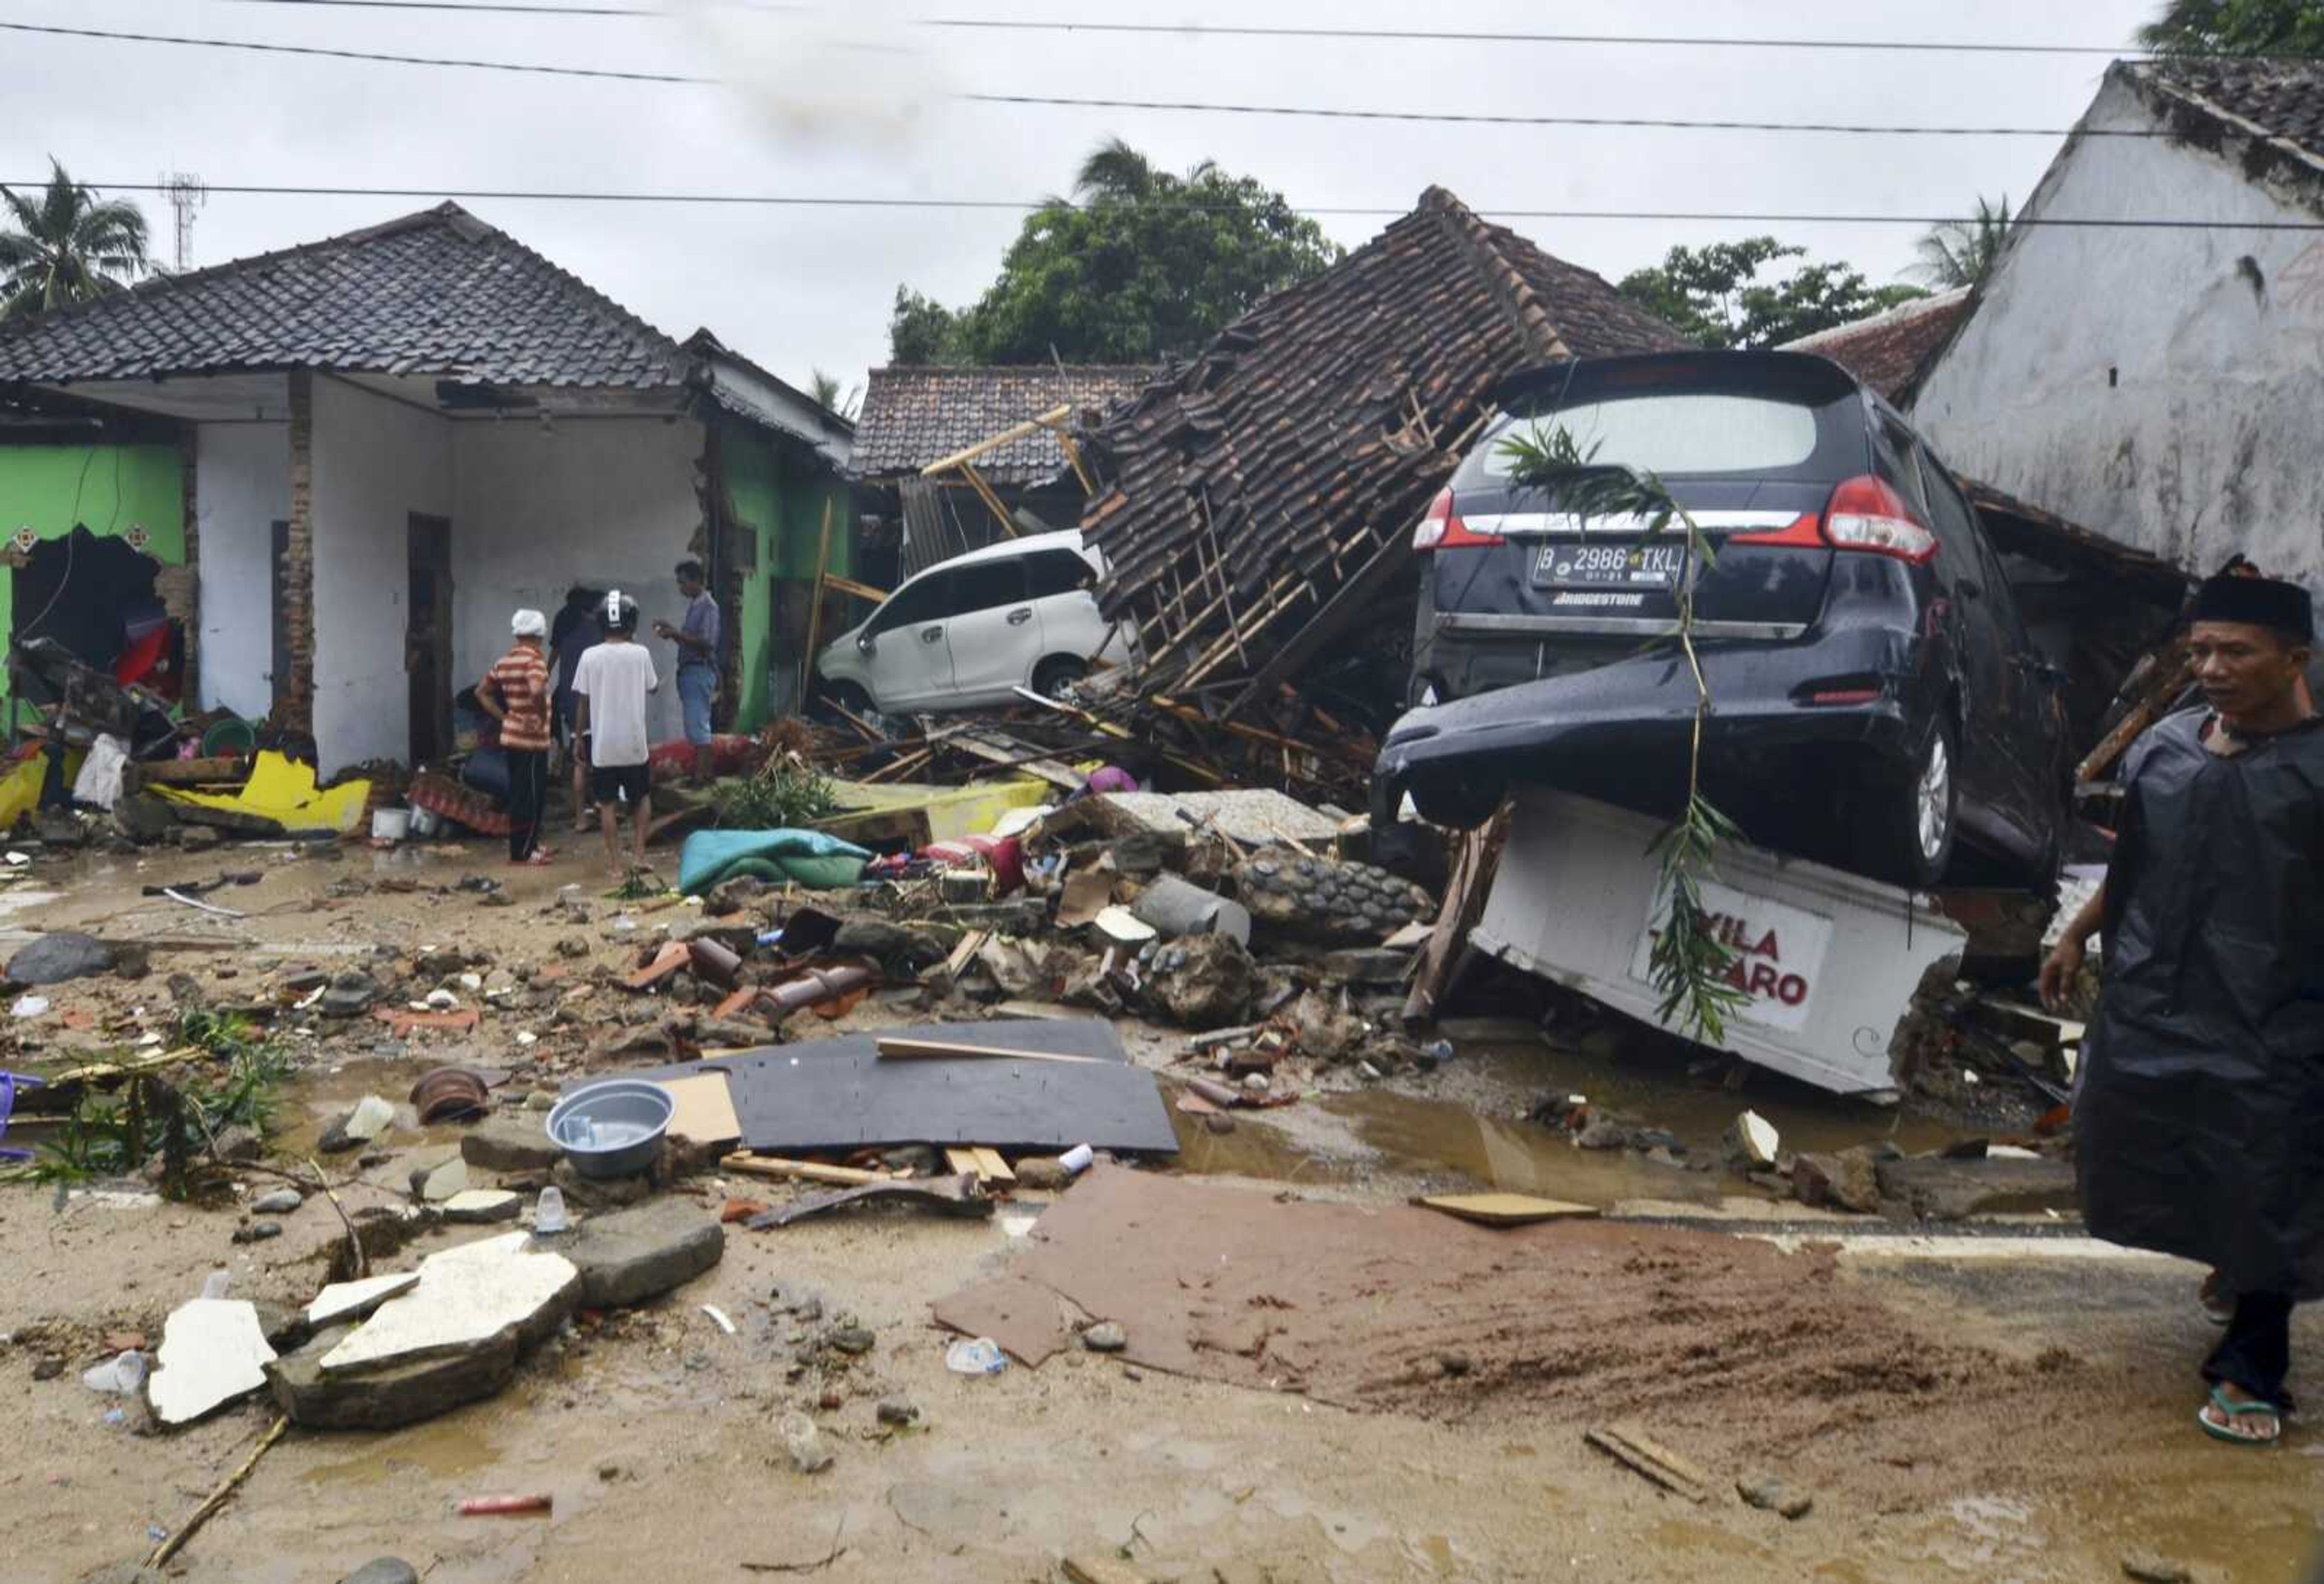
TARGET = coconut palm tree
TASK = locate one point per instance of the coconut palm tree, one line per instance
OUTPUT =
(828, 392)
(1960, 253)
(68, 246)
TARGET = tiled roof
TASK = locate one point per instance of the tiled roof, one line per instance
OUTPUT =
(438, 292)
(913, 415)
(1887, 350)
(1288, 464)
(2282, 100)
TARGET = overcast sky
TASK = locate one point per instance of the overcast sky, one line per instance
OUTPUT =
(870, 114)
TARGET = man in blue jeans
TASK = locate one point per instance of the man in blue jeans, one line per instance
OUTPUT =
(697, 660)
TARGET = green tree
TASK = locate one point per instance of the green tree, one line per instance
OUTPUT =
(829, 392)
(67, 245)
(1140, 264)
(922, 330)
(1960, 253)
(2236, 27)
(1715, 295)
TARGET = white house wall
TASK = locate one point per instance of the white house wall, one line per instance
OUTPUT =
(242, 488)
(2161, 386)
(375, 463)
(609, 502)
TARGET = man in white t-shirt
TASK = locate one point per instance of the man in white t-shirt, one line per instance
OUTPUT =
(610, 685)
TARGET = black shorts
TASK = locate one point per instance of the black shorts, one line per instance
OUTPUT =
(630, 783)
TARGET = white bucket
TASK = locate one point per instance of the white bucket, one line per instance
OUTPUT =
(390, 825)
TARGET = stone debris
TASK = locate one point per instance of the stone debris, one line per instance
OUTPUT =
(280, 1202)
(344, 1302)
(480, 1205)
(1105, 1337)
(383, 1570)
(1752, 1142)
(2149, 1568)
(510, 1143)
(629, 1255)
(468, 1298)
(213, 1352)
(441, 1182)
(898, 1411)
(1774, 1495)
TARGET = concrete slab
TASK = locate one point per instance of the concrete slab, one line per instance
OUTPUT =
(370, 1118)
(483, 1204)
(213, 1352)
(438, 1184)
(632, 1255)
(389, 1394)
(467, 1298)
(510, 1142)
(343, 1303)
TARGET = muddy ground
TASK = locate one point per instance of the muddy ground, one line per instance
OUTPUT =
(2005, 1402)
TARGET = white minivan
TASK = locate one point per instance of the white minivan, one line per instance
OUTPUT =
(969, 632)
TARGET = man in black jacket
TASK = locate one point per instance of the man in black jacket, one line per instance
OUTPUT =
(2198, 1116)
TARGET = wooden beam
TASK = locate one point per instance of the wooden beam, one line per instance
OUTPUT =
(1031, 426)
(815, 610)
(768, 1166)
(848, 585)
(992, 501)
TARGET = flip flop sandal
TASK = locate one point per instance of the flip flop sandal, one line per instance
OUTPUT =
(2217, 1304)
(2232, 1411)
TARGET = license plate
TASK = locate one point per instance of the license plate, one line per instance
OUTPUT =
(1588, 565)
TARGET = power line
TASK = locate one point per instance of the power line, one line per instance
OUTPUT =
(1243, 30)
(1453, 118)
(808, 200)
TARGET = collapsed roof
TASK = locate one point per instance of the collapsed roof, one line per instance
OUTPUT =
(1889, 350)
(1263, 496)
(916, 414)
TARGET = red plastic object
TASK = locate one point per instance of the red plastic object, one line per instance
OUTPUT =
(477, 1507)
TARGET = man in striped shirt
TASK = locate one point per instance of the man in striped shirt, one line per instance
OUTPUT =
(515, 692)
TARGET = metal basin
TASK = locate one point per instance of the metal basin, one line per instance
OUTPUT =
(612, 1128)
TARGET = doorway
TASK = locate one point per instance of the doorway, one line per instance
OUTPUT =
(427, 636)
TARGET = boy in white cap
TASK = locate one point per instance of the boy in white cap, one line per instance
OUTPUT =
(515, 692)
(613, 681)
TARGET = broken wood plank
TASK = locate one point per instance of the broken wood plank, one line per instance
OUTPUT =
(777, 1167)
(952, 1196)
(1102, 1569)
(1629, 1446)
(962, 1161)
(815, 610)
(991, 1166)
(897, 1048)
(1505, 1209)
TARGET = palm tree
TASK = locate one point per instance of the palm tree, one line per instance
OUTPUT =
(1962, 253)
(826, 390)
(2236, 27)
(68, 246)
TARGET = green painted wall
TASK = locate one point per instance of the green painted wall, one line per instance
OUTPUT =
(106, 488)
(778, 497)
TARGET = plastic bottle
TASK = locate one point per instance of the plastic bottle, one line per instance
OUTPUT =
(981, 1356)
(549, 1213)
(122, 1374)
(215, 1284)
(1078, 1160)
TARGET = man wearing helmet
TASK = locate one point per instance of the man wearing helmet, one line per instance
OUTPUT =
(611, 685)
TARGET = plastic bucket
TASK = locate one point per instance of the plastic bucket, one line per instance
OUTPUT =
(611, 1128)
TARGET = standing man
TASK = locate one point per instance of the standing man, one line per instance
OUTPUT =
(515, 692)
(610, 684)
(571, 636)
(697, 660)
(2198, 1116)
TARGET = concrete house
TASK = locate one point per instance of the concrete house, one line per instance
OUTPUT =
(2164, 385)
(370, 450)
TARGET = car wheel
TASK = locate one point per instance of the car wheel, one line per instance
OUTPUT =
(1053, 676)
(1912, 821)
(849, 697)
(1462, 807)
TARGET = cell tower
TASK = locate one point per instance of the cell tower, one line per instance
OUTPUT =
(187, 192)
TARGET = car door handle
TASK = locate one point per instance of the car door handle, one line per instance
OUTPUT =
(930, 634)
(1020, 617)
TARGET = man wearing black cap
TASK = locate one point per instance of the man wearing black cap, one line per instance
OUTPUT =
(2199, 1115)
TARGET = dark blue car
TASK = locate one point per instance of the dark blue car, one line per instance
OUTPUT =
(1876, 696)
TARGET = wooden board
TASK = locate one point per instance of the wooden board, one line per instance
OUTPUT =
(1506, 1209)
(897, 1048)
(991, 1166)
(704, 1109)
(960, 1160)
(767, 1166)
(1627, 1445)
(837, 1094)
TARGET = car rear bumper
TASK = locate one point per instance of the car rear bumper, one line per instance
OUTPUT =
(1636, 714)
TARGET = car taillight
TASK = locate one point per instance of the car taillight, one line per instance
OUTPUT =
(1866, 514)
(1440, 527)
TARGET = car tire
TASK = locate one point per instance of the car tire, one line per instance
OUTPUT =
(1053, 676)
(1914, 815)
(1460, 807)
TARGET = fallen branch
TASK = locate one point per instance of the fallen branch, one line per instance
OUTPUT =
(217, 1498)
(836, 1552)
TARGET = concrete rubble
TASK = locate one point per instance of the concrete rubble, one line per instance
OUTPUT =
(213, 1352)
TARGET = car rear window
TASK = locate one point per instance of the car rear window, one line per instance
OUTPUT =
(1679, 433)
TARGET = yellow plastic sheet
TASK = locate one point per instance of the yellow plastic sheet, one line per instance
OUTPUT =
(283, 790)
(20, 786)
(889, 811)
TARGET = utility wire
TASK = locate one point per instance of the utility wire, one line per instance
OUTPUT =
(1242, 30)
(804, 200)
(1457, 118)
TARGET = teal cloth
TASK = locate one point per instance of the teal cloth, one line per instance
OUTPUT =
(808, 857)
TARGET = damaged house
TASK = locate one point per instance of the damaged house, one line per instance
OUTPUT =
(1259, 518)
(370, 450)
(2161, 385)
